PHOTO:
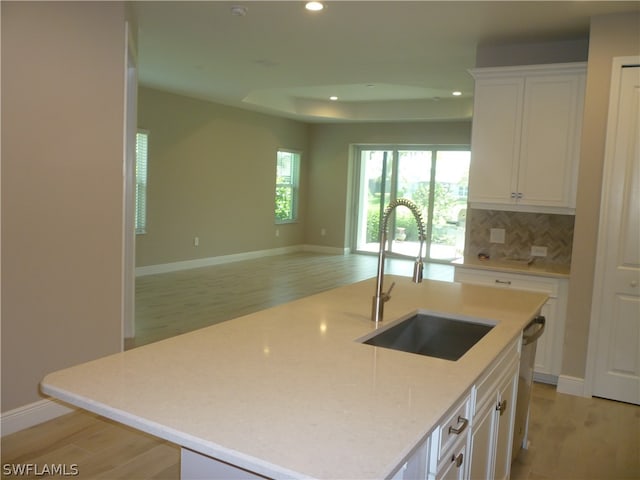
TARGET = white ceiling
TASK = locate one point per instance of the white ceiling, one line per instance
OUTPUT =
(385, 60)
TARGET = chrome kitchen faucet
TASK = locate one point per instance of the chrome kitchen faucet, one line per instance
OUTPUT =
(381, 297)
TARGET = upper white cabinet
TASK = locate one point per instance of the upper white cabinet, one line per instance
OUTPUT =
(525, 139)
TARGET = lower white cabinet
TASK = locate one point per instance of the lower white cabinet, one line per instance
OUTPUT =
(549, 346)
(503, 418)
(448, 457)
(480, 443)
(474, 438)
(453, 467)
(494, 402)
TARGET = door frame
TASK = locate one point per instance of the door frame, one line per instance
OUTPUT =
(128, 328)
(604, 238)
(357, 187)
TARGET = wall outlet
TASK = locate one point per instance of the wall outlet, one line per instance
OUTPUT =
(196, 241)
(277, 232)
(496, 235)
(323, 232)
(538, 251)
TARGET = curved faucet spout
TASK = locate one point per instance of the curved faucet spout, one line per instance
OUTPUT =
(380, 296)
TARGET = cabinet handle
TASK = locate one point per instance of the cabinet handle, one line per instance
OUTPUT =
(463, 422)
(457, 459)
(501, 407)
(504, 282)
(514, 195)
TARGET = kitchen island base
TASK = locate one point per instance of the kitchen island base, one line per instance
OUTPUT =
(290, 392)
(196, 466)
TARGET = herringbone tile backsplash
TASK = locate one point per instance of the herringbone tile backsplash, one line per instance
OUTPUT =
(522, 230)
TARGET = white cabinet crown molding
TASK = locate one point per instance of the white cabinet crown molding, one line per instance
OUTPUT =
(541, 69)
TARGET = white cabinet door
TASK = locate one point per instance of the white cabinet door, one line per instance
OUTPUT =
(504, 415)
(497, 118)
(492, 431)
(525, 137)
(480, 450)
(549, 144)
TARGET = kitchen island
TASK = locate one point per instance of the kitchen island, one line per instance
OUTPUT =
(290, 392)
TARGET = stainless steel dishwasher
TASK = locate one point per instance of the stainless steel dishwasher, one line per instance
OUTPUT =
(530, 336)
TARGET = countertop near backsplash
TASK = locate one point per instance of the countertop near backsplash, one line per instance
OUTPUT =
(539, 268)
(522, 231)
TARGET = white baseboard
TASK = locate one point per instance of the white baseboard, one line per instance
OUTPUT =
(327, 250)
(210, 261)
(571, 385)
(32, 414)
(236, 257)
(545, 378)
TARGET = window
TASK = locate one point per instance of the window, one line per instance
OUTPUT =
(287, 174)
(142, 149)
(435, 178)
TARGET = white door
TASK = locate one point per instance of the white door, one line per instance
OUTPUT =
(495, 140)
(615, 344)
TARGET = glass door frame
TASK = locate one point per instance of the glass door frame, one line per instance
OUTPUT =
(359, 190)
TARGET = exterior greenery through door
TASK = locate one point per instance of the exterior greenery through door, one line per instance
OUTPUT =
(433, 177)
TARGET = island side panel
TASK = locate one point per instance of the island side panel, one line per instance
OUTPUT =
(195, 466)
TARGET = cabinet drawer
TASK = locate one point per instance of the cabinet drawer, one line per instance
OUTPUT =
(486, 385)
(453, 466)
(507, 280)
(454, 426)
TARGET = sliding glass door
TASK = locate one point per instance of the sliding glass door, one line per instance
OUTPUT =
(434, 178)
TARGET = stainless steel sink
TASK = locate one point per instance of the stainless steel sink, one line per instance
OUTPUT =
(431, 334)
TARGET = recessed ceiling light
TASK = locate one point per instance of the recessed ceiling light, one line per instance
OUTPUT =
(314, 6)
(457, 93)
(333, 98)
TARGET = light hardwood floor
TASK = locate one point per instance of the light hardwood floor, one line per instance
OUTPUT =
(571, 437)
(579, 438)
(173, 303)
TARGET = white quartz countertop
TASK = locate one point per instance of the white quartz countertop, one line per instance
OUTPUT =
(288, 392)
(538, 267)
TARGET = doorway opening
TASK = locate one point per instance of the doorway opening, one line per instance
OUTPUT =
(435, 178)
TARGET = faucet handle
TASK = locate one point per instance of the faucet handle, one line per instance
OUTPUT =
(417, 271)
(387, 296)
